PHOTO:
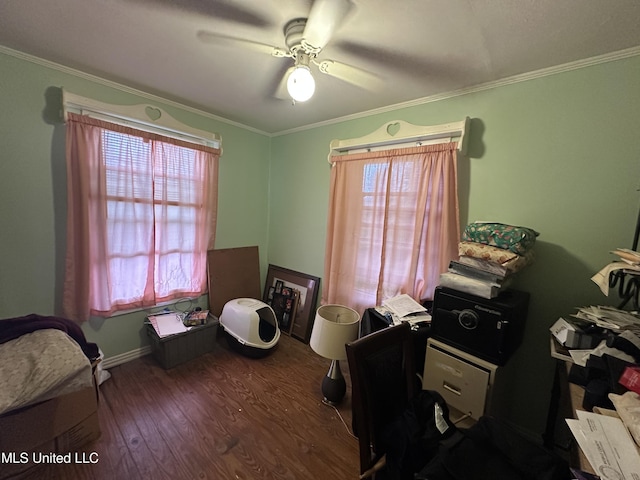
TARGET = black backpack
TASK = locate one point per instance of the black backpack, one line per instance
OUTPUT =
(424, 440)
(493, 450)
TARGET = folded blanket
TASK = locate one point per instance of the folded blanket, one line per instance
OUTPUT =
(12, 328)
(487, 257)
(507, 237)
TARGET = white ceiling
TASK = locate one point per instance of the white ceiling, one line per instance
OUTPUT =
(419, 48)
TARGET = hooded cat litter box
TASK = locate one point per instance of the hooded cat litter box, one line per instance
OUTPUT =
(251, 326)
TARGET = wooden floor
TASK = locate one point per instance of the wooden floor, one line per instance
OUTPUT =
(221, 416)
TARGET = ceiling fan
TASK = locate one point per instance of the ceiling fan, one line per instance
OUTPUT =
(305, 38)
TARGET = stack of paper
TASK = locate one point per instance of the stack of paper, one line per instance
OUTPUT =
(607, 445)
(628, 262)
(629, 256)
(167, 324)
(610, 317)
(404, 308)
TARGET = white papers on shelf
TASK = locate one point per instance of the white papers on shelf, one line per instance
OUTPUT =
(609, 317)
(403, 308)
(607, 445)
(627, 255)
(602, 277)
(403, 305)
(167, 324)
(580, 357)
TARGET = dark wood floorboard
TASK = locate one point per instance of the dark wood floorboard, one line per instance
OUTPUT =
(220, 416)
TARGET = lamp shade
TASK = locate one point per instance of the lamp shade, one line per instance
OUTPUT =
(301, 84)
(334, 326)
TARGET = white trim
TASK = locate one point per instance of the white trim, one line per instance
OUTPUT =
(524, 77)
(138, 116)
(125, 357)
(399, 133)
(123, 88)
(566, 67)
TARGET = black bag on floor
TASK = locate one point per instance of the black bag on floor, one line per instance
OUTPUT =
(414, 438)
(492, 450)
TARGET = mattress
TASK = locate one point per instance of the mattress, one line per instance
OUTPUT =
(39, 366)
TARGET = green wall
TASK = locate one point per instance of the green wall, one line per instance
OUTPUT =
(559, 154)
(33, 192)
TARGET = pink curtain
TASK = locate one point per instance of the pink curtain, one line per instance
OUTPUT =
(393, 224)
(141, 217)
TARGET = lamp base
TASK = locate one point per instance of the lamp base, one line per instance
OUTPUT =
(333, 384)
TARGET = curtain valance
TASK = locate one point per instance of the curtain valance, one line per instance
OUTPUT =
(395, 152)
(96, 122)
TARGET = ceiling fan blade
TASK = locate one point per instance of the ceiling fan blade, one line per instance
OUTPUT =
(324, 19)
(355, 76)
(227, 10)
(227, 41)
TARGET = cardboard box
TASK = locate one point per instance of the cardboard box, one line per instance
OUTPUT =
(173, 350)
(572, 336)
(60, 425)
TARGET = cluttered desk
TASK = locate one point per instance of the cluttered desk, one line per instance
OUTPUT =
(597, 391)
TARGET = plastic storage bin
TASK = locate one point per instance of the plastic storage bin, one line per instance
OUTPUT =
(174, 350)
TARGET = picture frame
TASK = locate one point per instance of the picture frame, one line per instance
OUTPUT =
(307, 287)
(284, 305)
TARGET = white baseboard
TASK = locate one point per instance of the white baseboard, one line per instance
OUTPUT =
(125, 357)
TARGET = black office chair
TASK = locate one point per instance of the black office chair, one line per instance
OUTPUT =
(383, 382)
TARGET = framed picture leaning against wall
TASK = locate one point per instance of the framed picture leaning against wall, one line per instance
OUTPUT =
(304, 307)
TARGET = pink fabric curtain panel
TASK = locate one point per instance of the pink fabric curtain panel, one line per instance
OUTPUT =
(393, 224)
(141, 216)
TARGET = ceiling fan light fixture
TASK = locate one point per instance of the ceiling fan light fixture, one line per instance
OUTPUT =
(301, 84)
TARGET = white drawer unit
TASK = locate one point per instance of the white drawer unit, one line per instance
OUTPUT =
(465, 382)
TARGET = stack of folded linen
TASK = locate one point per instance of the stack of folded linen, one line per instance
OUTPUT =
(490, 253)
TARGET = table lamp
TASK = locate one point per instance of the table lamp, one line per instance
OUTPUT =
(334, 326)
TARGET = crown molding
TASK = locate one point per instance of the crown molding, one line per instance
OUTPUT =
(567, 67)
(524, 77)
(123, 88)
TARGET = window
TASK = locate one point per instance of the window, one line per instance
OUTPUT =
(393, 224)
(139, 195)
(397, 201)
(141, 218)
